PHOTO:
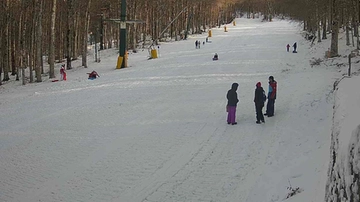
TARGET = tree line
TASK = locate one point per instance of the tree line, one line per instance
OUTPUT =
(58, 30)
(319, 17)
(61, 30)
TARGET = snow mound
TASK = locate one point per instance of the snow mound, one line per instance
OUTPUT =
(344, 182)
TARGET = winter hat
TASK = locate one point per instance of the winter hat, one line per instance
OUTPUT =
(258, 84)
(271, 77)
(234, 86)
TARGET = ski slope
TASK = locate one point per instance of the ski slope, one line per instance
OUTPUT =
(157, 131)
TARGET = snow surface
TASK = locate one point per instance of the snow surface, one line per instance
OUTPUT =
(157, 131)
(344, 170)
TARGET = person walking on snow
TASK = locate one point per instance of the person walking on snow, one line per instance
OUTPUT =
(259, 100)
(232, 103)
(295, 47)
(62, 73)
(270, 107)
(288, 47)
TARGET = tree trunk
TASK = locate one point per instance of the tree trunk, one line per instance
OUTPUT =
(357, 25)
(318, 23)
(85, 39)
(324, 28)
(69, 33)
(7, 44)
(52, 41)
(347, 34)
(38, 17)
(334, 29)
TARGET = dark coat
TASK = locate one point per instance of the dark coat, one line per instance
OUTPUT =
(259, 96)
(232, 95)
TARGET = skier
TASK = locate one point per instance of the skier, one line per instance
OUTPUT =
(259, 100)
(196, 44)
(216, 57)
(270, 107)
(288, 47)
(62, 73)
(93, 75)
(295, 46)
(232, 103)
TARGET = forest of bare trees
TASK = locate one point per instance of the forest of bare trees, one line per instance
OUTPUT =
(61, 30)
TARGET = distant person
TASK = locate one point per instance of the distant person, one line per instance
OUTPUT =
(203, 42)
(216, 57)
(270, 107)
(259, 100)
(232, 103)
(295, 47)
(93, 75)
(196, 44)
(207, 39)
(288, 47)
(62, 73)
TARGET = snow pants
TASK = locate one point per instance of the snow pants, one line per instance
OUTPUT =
(259, 113)
(231, 114)
(270, 107)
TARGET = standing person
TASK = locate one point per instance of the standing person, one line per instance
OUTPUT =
(288, 47)
(62, 73)
(196, 44)
(259, 100)
(295, 47)
(232, 103)
(270, 107)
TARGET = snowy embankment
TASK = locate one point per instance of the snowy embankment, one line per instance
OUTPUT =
(344, 170)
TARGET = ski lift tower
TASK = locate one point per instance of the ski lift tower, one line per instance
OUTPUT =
(122, 58)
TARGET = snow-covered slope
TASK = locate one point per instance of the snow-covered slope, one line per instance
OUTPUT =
(157, 131)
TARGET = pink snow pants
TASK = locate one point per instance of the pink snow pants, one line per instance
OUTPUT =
(231, 114)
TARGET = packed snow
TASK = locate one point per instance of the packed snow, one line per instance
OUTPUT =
(157, 131)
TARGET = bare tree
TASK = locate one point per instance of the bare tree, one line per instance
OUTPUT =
(52, 40)
(334, 29)
(38, 27)
(69, 32)
(85, 34)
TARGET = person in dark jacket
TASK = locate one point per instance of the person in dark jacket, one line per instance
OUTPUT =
(259, 100)
(232, 103)
(216, 57)
(295, 47)
(270, 107)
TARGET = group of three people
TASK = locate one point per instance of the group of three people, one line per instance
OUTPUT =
(259, 100)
